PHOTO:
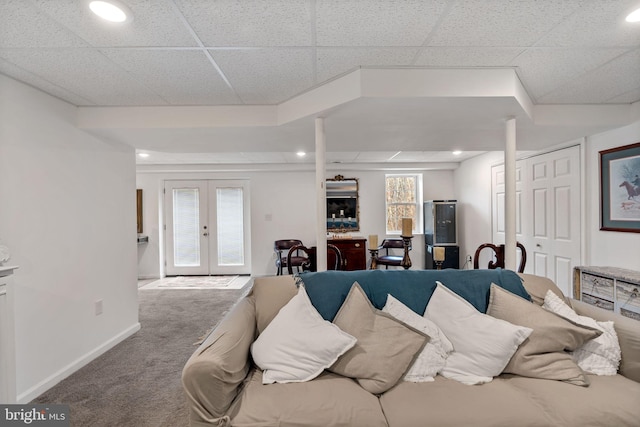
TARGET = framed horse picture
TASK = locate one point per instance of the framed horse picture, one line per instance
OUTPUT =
(620, 189)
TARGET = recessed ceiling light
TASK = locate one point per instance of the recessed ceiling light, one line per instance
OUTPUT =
(301, 154)
(143, 155)
(456, 152)
(110, 10)
(633, 16)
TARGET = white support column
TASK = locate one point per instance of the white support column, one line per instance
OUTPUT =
(510, 194)
(321, 197)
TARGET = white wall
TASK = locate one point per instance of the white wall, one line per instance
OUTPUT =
(285, 197)
(603, 248)
(608, 248)
(68, 216)
(473, 189)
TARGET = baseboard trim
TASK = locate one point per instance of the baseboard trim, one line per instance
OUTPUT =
(54, 379)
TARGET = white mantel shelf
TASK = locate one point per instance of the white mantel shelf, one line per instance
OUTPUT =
(6, 270)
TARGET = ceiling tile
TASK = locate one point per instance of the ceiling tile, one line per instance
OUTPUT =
(24, 76)
(376, 23)
(154, 23)
(375, 156)
(627, 97)
(341, 156)
(500, 23)
(332, 62)
(602, 85)
(23, 25)
(181, 77)
(283, 72)
(85, 72)
(466, 56)
(600, 24)
(544, 70)
(255, 23)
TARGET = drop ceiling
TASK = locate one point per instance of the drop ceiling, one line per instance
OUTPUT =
(571, 58)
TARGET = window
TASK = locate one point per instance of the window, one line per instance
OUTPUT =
(403, 199)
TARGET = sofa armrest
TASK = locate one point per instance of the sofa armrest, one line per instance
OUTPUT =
(628, 331)
(215, 371)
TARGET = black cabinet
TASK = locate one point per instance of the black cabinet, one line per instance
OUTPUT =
(451, 257)
(440, 229)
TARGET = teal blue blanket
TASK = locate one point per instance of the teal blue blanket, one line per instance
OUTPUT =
(327, 290)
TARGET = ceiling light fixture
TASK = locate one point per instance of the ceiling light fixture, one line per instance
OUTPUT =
(456, 152)
(301, 154)
(143, 155)
(633, 16)
(111, 11)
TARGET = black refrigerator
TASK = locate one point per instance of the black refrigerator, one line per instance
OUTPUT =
(440, 230)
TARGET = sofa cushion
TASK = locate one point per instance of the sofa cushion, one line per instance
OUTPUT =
(628, 336)
(601, 355)
(328, 400)
(544, 353)
(608, 401)
(448, 403)
(511, 400)
(298, 344)
(328, 289)
(271, 294)
(537, 287)
(482, 344)
(385, 348)
(432, 358)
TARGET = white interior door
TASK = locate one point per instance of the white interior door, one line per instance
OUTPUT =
(206, 227)
(548, 213)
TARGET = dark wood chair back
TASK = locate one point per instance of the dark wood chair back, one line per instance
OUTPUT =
(393, 253)
(281, 248)
(498, 256)
(332, 250)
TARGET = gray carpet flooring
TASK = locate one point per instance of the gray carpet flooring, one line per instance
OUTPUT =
(138, 382)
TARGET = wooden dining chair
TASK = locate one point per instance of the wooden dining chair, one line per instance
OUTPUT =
(311, 256)
(497, 260)
(391, 257)
(282, 249)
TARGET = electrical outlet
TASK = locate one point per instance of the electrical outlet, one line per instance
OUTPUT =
(98, 307)
(468, 258)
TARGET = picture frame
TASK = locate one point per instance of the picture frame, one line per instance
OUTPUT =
(620, 189)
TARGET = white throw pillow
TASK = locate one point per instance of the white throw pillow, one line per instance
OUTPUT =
(431, 359)
(298, 344)
(483, 345)
(601, 355)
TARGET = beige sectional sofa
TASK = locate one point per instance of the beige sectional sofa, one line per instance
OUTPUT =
(224, 387)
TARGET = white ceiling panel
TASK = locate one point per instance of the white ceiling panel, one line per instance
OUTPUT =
(361, 22)
(332, 62)
(85, 72)
(250, 23)
(283, 72)
(24, 26)
(627, 97)
(231, 52)
(18, 73)
(544, 70)
(500, 23)
(612, 79)
(180, 77)
(154, 23)
(599, 25)
(467, 56)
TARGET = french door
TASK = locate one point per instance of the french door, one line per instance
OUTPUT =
(547, 213)
(206, 223)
